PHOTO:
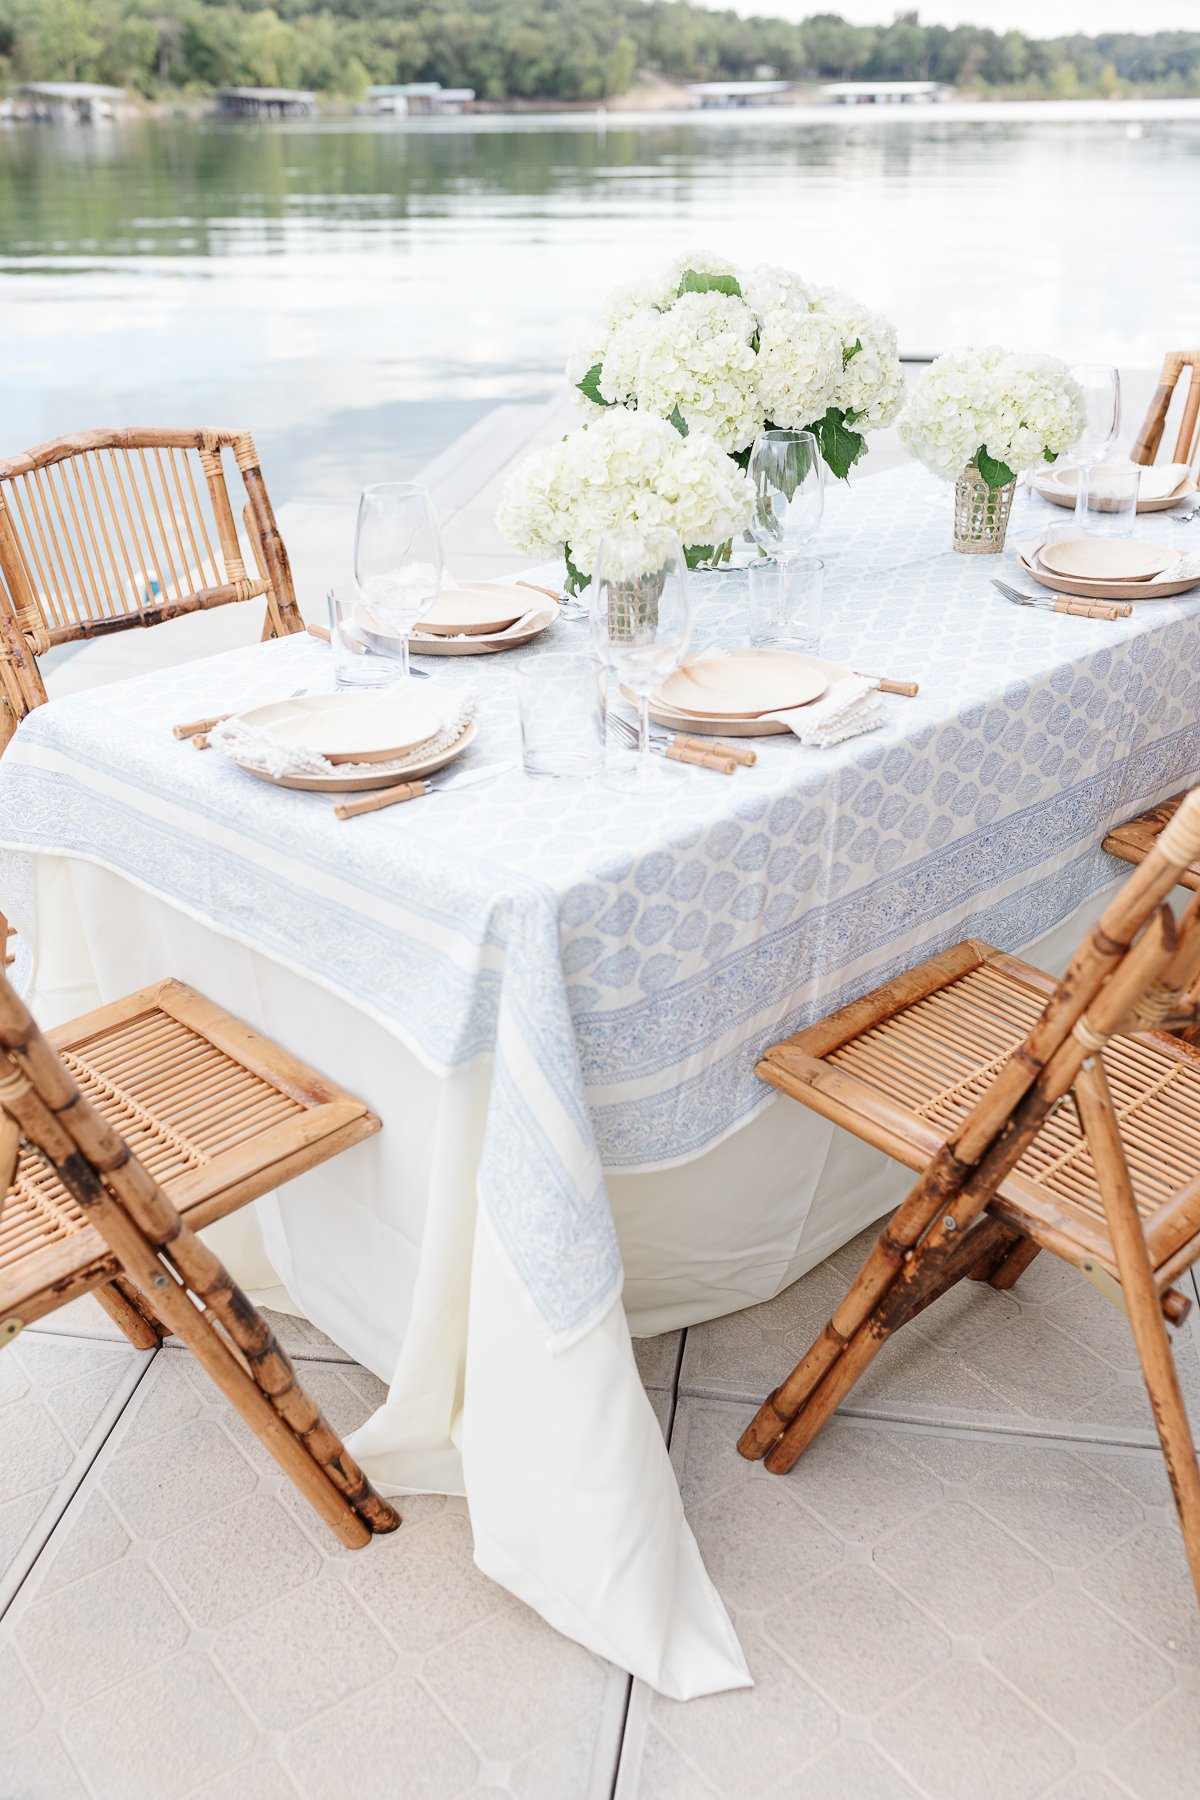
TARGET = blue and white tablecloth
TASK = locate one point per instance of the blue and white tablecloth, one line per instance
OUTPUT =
(624, 960)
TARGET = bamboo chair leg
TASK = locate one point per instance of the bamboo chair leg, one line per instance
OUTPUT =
(126, 1308)
(1144, 1303)
(1009, 1270)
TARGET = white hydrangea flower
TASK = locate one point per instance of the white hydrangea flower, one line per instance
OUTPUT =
(1021, 409)
(623, 469)
(871, 389)
(799, 366)
(782, 353)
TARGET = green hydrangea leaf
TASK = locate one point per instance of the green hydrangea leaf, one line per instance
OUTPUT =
(839, 445)
(676, 418)
(576, 582)
(695, 554)
(693, 282)
(590, 386)
(1050, 455)
(853, 350)
(997, 474)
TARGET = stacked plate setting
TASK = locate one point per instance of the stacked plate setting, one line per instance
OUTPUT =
(741, 693)
(372, 741)
(1106, 568)
(1162, 485)
(469, 619)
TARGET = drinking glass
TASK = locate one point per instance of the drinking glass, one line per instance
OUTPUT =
(562, 726)
(398, 557)
(785, 603)
(1101, 387)
(789, 491)
(356, 662)
(641, 627)
(1111, 497)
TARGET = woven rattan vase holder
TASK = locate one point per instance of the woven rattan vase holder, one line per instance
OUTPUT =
(980, 514)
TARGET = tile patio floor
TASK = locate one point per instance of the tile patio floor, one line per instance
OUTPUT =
(970, 1587)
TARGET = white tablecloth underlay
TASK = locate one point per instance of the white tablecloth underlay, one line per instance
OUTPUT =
(554, 997)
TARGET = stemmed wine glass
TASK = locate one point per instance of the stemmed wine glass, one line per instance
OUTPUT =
(788, 476)
(398, 560)
(641, 619)
(1101, 387)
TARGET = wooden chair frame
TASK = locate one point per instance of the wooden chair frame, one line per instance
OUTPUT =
(1149, 439)
(965, 1215)
(143, 1258)
(106, 531)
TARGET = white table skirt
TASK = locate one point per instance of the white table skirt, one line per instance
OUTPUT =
(573, 1504)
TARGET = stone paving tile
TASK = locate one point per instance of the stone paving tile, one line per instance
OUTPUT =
(1051, 1357)
(953, 1616)
(192, 1629)
(657, 1359)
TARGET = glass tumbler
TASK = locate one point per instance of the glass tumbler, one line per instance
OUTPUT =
(786, 603)
(356, 663)
(562, 725)
(1112, 497)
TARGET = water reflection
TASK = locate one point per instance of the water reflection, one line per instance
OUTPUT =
(358, 291)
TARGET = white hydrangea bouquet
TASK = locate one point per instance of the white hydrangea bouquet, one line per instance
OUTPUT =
(624, 469)
(979, 418)
(730, 353)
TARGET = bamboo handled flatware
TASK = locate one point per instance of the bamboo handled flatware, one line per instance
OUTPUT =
(380, 798)
(1079, 609)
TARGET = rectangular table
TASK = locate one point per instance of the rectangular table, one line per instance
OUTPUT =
(554, 996)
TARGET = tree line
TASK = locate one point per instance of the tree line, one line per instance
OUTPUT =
(549, 49)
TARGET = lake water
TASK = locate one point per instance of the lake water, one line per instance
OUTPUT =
(358, 291)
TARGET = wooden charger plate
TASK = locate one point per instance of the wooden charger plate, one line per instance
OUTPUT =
(1032, 563)
(381, 774)
(1054, 488)
(350, 727)
(744, 683)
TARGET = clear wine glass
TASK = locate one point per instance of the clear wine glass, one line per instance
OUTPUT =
(788, 476)
(1101, 387)
(641, 619)
(398, 561)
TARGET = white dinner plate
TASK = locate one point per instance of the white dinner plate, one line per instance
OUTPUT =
(350, 727)
(744, 683)
(1107, 559)
(380, 774)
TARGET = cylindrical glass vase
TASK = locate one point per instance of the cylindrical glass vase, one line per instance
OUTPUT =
(980, 514)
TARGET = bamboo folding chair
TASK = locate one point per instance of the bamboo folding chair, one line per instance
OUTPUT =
(121, 1135)
(1148, 442)
(108, 530)
(1041, 1115)
(1132, 840)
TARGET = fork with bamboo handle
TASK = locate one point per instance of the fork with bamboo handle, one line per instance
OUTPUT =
(910, 689)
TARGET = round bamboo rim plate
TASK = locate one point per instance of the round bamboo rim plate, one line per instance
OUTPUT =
(1107, 559)
(700, 726)
(347, 728)
(1052, 488)
(380, 775)
(481, 644)
(476, 608)
(1031, 562)
(744, 683)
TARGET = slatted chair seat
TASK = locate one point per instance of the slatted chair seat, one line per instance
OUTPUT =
(907, 1084)
(119, 1138)
(1039, 1115)
(213, 1112)
(1132, 840)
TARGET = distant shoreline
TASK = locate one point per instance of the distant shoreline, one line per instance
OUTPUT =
(494, 114)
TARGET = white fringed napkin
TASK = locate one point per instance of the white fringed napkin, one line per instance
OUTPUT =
(1186, 569)
(258, 750)
(851, 707)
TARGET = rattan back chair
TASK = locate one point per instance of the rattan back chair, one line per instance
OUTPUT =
(120, 1136)
(107, 530)
(1148, 443)
(1041, 1115)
